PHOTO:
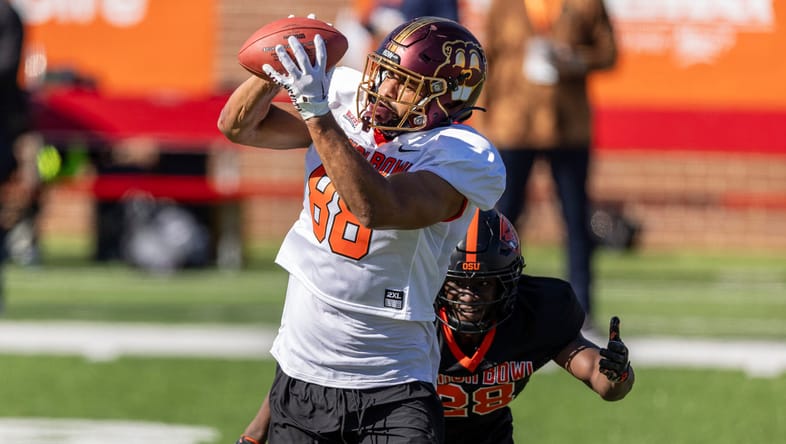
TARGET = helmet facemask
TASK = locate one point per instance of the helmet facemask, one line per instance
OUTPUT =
(423, 91)
(496, 310)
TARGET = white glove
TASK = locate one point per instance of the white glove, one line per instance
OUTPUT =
(307, 85)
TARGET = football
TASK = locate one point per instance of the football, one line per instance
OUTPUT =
(259, 49)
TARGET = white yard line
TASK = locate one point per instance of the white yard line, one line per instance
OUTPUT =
(104, 341)
(89, 431)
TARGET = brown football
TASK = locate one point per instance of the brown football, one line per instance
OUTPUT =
(259, 49)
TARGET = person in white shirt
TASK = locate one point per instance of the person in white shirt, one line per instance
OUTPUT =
(392, 180)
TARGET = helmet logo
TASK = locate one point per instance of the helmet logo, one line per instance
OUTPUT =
(465, 57)
(470, 266)
(507, 233)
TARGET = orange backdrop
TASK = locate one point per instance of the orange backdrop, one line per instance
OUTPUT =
(127, 46)
(688, 53)
(697, 53)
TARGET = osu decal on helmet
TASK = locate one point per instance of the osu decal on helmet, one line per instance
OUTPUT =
(441, 68)
(484, 269)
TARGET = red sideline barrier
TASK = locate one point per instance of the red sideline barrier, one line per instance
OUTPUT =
(191, 189)
(761, 132)
(68, 114)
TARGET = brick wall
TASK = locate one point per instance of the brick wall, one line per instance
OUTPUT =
(695, 199)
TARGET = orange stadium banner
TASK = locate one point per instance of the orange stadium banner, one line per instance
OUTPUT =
(705, 53)
(692, 74)
(699, 74)
(125, 46)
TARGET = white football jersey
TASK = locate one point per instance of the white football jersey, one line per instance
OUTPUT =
(393, 274)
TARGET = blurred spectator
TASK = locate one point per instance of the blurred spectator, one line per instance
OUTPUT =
(366, 22)
(540, 53)
(12, 101)
(380, 17)
(18, 145)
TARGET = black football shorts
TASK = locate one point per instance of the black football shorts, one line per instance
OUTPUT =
(302, 413)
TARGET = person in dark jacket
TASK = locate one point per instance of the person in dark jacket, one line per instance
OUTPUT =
(16, 181)
(538, 108)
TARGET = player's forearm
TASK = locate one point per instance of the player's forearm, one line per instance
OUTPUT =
(257, 429)
(365, 191)
(247, 106)
(249, 117)
(407, 200)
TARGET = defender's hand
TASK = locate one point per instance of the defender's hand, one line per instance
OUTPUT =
(615, 364)
(307, 85)
(245, 439)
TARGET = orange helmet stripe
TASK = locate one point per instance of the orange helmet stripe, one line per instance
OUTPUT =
(472, 238)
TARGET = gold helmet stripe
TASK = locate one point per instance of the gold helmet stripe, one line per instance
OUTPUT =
(414, 26)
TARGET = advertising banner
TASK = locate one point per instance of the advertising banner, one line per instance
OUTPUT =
(698, 53)
(125, 46)
(691, 75)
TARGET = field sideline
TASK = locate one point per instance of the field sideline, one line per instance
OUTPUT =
(107, 341)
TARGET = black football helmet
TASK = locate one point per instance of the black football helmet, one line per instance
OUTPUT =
(437, 58)
(491, 249)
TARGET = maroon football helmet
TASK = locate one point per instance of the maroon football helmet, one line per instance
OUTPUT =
(438, 59)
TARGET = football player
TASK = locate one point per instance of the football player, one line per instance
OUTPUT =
(499, 326)
(391, 182)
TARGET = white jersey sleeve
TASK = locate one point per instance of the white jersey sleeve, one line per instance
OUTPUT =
(464, 158)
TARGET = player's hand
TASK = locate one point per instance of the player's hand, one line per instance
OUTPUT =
(307, 85)
(615, 364)
(245, 439)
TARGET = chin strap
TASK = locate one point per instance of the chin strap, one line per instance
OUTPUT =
(466, 113)
(471, 363)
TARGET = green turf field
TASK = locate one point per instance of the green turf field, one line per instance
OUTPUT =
(678, 295)
(719, 295)
(666, 406)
